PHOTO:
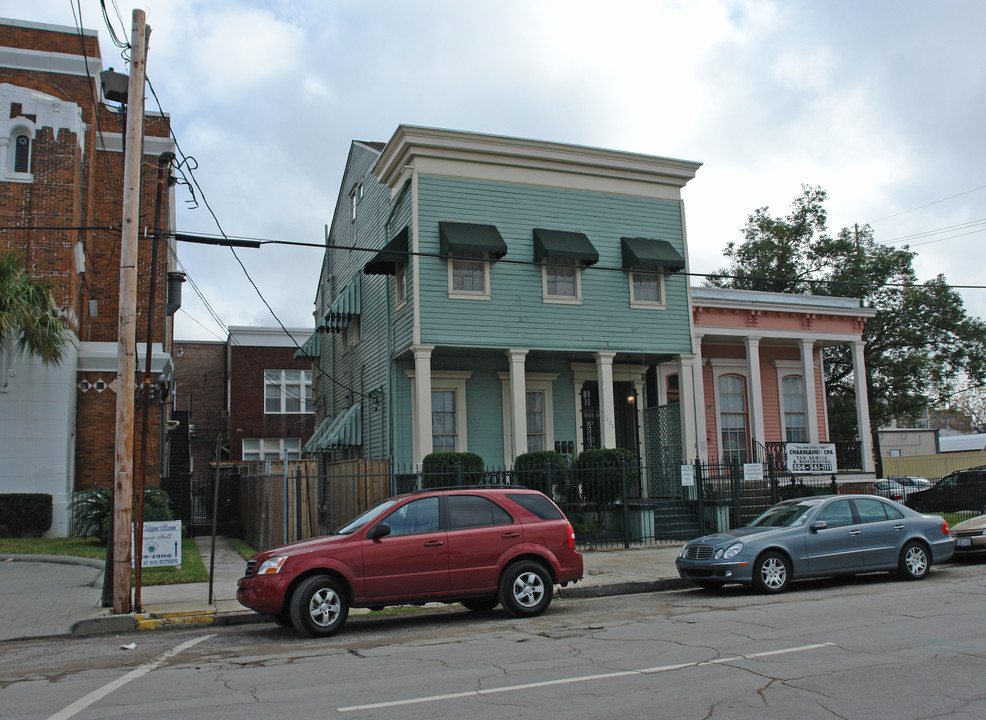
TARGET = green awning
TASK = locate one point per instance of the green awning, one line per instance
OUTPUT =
(564, 244)
(334, 433)
(650, 254)
(311, 349)
(457, 237)
(393, 254)
(344, 308)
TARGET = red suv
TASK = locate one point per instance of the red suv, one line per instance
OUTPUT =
(478, 546)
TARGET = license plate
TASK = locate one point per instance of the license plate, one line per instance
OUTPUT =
(963, 542)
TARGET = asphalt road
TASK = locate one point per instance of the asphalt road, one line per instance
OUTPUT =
(870, 647)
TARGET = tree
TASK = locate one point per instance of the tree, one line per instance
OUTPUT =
(28, 313)
(921, 346)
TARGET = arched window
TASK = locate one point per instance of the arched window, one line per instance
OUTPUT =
(732, 417)
(22, 153)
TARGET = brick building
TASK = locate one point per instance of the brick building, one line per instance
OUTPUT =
(61, 178)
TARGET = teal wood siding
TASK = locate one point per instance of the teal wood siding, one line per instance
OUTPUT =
(403, 318)
(517, 316)
(363, 368)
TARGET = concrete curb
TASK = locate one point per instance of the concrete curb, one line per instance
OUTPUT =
(65, 559)
(624, 588)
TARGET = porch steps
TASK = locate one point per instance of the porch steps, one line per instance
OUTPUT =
(676, 520)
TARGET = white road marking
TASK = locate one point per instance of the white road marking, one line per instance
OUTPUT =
(582, 678)
(82, 703)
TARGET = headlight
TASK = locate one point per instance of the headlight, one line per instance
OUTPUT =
(732, 551)
(272, 566)
(683, 548)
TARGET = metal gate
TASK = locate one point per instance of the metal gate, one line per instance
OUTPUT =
(662, 425)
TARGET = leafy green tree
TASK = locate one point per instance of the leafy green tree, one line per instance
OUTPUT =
(921, 346)
(28, 313)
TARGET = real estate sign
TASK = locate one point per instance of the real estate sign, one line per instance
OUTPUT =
(810, 458)
(162, 544)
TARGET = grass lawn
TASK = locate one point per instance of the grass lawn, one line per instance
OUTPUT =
(192, 568)
(242, 548)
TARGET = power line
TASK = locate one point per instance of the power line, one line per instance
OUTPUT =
(933, 202)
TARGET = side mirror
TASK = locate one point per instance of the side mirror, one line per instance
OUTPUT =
(378, 531)
(819, 525)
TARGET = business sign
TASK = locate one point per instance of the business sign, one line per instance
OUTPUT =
(162, 544)
(809, 458)
(687, 476)
(753, 471)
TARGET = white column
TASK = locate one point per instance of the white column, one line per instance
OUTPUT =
(755, 392)
(421, 426)
(518, 403)
(607, 410)
(698, 377)
(862, 406)
(808, 375)
(686, 394)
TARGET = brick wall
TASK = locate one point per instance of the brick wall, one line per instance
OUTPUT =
(200, 388)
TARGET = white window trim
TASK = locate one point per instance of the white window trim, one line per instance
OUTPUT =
(486, 294)
(445, 380)
(261, 456)
(730, 366)
(644, 304)
(306, 381)
(783, 369)
(561, 299)
(8, 151)
(533, 382)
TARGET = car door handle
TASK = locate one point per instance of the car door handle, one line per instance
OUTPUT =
(898, 527)
(434, 543)
(509, 535)
(854, 532)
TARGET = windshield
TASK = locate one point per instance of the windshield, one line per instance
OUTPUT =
(375, 511)
(783, 515)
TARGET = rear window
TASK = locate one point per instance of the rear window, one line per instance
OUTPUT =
(537, 504)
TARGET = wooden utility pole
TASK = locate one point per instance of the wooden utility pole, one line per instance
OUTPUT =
(127, 343)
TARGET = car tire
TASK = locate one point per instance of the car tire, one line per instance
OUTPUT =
(771, 573)
(480, 604)
(319, 606)
(915, 562)
(525, 589)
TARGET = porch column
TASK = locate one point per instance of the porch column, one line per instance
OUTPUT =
(698, 377)
(518, 403)
(808, 376)
(421, 425)
(862, 407)
(687, 402)
(755, 393)
(607, 410)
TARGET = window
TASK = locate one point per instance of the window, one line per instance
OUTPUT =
(469, 275)
(646, 290)
(836, 514)
(354, 197)
(561, 280)
(443, 420)
(795, 409)
(287, 391)
(22, 153)
(400, 284)
(538, 406)
(255, 449)
(418, 516)
(875, 511)
(535, 421)
(351, 333)
(732, 417)
(472, 511)
(537, 504)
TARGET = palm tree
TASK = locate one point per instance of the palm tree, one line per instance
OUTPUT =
(28, 313)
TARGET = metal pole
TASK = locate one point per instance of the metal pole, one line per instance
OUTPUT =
(215, 514)
(626, 510)
(126, 357)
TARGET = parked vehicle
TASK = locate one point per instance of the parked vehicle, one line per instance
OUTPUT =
(970, 536)
(960, 490)
(819, 536)
(480, 546)
(890, 489)
(913, 483)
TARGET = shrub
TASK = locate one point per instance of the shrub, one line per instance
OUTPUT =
(599, 473)
(92, 509)
(532, 470)
(25, 513)
(439, 469)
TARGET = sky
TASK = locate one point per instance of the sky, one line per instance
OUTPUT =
(881, 103)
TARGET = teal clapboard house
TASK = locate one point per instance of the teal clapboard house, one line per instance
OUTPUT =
(499, 295)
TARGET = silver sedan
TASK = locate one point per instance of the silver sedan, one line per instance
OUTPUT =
(819, 536)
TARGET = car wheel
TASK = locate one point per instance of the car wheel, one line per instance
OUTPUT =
(319, 606)
(710, 585)
(914, 561)
(771, 573)
(480, 604)
(525, 589)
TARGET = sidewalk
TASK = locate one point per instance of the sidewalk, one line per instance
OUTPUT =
(51, 595)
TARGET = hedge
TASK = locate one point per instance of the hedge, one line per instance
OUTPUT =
(439, 469)
(25, 513)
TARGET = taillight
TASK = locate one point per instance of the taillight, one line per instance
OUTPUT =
(571, 536)
(944, 528)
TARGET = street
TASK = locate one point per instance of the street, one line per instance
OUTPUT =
(868, 647)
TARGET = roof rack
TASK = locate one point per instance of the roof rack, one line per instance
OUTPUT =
(469, 487)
